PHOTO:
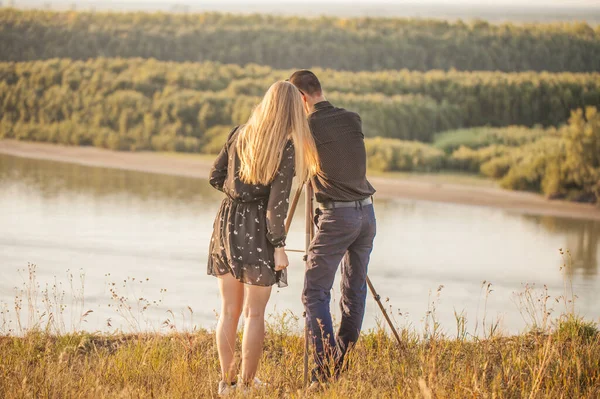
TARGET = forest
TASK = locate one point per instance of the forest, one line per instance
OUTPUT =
(560, 163)
(158, 82)
(354, 44)
(185, 99)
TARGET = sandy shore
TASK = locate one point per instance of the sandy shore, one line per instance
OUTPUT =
(198, 167)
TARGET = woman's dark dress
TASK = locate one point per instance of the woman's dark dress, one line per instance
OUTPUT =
(251, 220)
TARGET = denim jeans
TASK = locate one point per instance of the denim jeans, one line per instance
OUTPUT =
(344, 235)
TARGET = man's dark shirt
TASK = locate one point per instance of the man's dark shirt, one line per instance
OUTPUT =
(341, 147)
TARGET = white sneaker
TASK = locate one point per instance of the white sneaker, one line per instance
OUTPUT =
(316, 386)
(226, 389)
(255, 384)
(259, 384)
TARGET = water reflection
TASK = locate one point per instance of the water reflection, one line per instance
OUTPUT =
(132, 224)
(52, 179)
(582, 241)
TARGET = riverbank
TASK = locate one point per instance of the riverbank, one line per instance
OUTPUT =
(414, 187)
(558, 364)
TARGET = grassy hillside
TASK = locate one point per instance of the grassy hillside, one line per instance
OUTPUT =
(562, 363)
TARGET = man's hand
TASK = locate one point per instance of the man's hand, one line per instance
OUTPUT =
(281, 259)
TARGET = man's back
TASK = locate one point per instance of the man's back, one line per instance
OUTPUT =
(340, 143)
(346, 227)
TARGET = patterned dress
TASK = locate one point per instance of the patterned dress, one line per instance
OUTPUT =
(250, 223)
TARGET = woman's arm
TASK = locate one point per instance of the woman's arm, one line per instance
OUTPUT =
(277, 207)
(218, 173)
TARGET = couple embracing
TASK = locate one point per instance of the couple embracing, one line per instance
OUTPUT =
(294, 131)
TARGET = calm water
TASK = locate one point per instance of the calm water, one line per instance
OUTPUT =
(115, 226)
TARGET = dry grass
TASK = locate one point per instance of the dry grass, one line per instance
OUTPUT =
(563, 364)
(558, 358)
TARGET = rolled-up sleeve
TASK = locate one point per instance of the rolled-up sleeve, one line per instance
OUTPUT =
(278, 205)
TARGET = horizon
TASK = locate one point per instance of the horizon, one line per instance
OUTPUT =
(502, 11)
(530, 3)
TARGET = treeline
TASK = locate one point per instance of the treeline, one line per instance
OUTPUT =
(134, 104)
(368, 44)
(560, 163)
(142, 105)
(482, 98)
(150, 105)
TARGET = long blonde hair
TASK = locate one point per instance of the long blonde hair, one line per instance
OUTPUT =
(260, 144)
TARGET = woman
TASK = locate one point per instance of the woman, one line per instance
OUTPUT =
(247, 251)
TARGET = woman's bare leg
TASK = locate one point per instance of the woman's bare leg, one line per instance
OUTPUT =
(255, 302)
(232, 300)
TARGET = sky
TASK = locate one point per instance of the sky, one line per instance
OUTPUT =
(569, 3)
(448, 2)
(491, 10)
(200, 3)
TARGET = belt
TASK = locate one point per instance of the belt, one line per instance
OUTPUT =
(238, 201)
(345, 204)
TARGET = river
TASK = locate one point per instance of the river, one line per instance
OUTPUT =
(127, 235)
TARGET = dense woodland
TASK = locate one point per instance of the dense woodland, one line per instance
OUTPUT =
(361, 44)
(560, 163)
(138, 100)
(536, 131)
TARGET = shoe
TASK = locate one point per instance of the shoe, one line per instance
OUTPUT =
(258, 384)
(255, 384)
(316, 387)
(226, 389)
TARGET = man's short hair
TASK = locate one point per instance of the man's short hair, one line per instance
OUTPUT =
(307, 82)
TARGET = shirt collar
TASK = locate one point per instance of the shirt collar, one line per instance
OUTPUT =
(322, 105)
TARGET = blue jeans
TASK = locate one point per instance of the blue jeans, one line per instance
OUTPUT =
(344, 235)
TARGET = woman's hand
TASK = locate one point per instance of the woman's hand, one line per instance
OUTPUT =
(281, 259)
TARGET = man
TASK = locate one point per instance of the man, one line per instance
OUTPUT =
(346, 227)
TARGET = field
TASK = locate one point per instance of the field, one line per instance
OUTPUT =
(557, 356)
(560, 364)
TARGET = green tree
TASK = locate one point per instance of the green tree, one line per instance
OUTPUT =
(582, 146)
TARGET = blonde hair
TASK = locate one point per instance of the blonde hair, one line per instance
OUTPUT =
(260, 144)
